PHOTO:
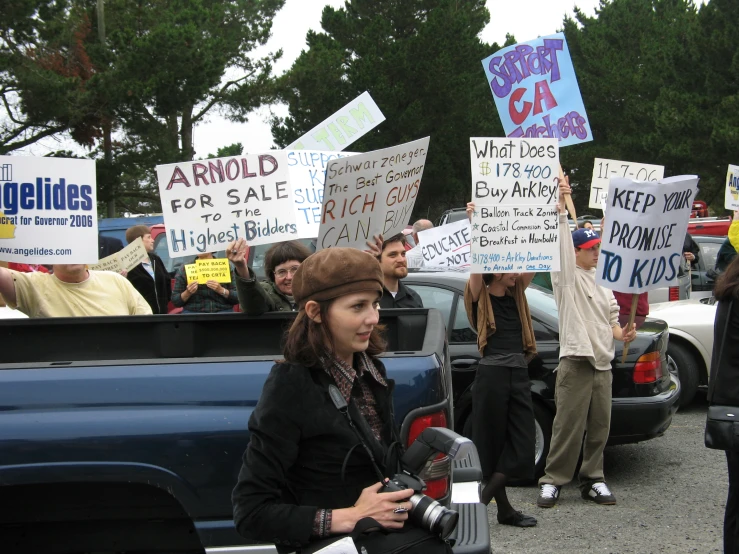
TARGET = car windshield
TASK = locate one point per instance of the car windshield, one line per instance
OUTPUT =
(542, 301)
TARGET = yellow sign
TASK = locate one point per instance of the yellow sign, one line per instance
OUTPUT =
(202, 271)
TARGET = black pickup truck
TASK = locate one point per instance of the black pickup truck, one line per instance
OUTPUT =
(126, 434)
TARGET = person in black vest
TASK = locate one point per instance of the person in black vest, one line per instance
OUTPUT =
(391, 255)
(303, 477)
(150, 277)
(723, 388)
(108, 246)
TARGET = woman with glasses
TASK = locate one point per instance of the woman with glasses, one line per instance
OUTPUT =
(280, 264)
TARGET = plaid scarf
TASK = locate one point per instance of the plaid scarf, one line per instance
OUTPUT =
(345, 376)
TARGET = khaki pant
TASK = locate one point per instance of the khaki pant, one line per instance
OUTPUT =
(583, 398)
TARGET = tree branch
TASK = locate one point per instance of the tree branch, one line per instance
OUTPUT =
(219, 96)
(5, 148)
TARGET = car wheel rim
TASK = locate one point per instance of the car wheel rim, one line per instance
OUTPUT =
(539, 448)
(672, 366)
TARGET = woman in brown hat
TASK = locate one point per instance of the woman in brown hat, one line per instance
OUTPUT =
(503, 427)
(303, 476)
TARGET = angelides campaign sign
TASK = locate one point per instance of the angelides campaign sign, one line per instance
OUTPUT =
(515, 189)
(48, 210)
(731, 200)
(536, 92)
(208, 203)
(642, 243)
(369, 194)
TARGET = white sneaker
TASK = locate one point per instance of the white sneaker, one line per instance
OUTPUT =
(599, 493)
(548, 495)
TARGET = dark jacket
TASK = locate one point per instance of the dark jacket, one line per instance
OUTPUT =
(258, 297)
(406, 298)
(725, 256)
(108, 246)
(292, 466)
(689, 245)
(723, 384)
(156, 291)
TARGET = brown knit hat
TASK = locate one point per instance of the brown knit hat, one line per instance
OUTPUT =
(334, 272)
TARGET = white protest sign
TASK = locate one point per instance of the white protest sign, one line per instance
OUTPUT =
(731, 200)
(124, 260)
(515, 190)
(446, 246)
(371, 194)
(603, 170)
(208, 203)
(338, 131)
(307, 175)
(48, 210)
(642, 243)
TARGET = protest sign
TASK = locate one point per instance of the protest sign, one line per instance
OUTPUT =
(307, 176)
(209, 203)
(338, 131)
(603, 170)
(213, 269)
(48, 210)
(125, 260)
(371, 194)
(536, 92)
(515, 189)
(446, 246)
(731, 201)
(642, 242)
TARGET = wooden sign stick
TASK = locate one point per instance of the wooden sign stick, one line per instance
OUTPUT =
(632, 315)
(568, 200)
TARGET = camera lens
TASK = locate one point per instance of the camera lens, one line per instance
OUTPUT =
(431, 515)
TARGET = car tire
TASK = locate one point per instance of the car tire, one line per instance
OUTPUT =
(687, 371)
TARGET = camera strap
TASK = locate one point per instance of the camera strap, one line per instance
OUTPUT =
(356, 422)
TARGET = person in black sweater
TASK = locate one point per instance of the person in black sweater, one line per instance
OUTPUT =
(391, 255)
(723, 384)
(150, 277)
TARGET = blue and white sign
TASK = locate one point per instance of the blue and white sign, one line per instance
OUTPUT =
(536, 91)
(48, 210)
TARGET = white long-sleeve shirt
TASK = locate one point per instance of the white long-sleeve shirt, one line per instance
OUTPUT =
(587, 312)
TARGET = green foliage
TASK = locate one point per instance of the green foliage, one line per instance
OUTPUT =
(235, 149)
(420, 61)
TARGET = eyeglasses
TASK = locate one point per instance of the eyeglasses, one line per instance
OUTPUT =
(282, 273)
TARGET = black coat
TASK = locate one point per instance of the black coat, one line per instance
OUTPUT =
(157, 291)
(406, 298)
(723, 384)
(292, 466)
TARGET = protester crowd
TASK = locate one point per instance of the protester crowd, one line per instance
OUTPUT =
(313, 284)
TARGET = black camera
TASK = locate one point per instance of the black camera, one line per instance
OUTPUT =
(425, 511)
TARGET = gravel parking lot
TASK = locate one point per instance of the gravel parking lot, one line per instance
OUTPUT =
(671, 494)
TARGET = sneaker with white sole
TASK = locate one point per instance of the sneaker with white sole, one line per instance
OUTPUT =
(548, 495)
(599, 493)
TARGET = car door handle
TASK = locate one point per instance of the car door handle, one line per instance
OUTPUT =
(464, 363)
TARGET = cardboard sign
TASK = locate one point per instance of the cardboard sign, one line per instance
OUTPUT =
(209, 203)
(515, 191)
(643, 239)
(536, 91)
(307, 176)
(371, 194)
(124, 260)
(603, 170)
(202, 271)
(48, 210)
(351, 122)
(731, 200)
(447, 246)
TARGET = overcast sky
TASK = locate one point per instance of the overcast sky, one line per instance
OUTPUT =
(525, 19)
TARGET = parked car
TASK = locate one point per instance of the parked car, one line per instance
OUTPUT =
(691, 342)
(709, 226)
(116, 227)
(702, 282)
(645, 393)
(450, 216)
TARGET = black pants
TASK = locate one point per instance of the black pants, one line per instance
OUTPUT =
(731, 516)
(503, 421)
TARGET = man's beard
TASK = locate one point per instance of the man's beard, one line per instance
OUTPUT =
(400, 272)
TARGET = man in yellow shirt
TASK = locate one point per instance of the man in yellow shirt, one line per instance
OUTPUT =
(72, 290)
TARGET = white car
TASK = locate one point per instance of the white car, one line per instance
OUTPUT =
(691, 341)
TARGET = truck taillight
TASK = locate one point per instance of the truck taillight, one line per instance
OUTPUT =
(648, 368)
(436, 475)
(674, 294)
